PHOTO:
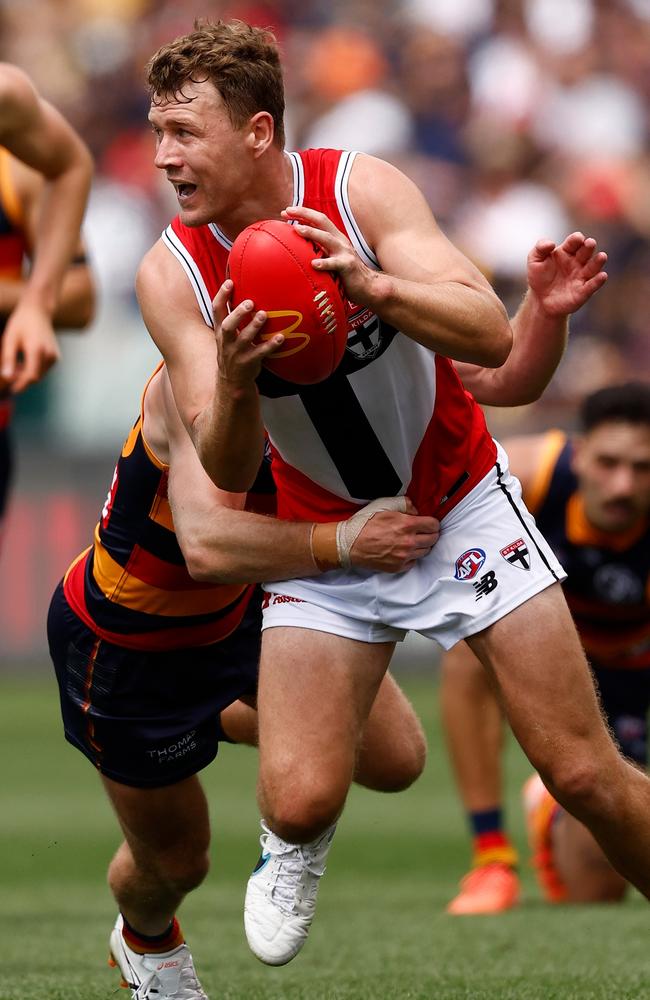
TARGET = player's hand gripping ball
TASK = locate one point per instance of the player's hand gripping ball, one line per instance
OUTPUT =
(271, 264)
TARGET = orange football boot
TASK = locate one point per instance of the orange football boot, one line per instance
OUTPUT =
(487, 888)
(540, 809)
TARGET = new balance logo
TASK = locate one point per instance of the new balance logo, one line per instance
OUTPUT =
(486, 584)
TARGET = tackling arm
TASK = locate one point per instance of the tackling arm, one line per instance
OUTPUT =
(222, 542)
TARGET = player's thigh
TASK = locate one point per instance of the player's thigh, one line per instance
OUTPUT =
(315, 692)
(544, 681)
(162, 822)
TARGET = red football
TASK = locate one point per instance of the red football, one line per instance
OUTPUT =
(271, 264)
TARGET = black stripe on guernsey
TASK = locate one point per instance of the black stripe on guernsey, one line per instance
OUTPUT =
(365, 469)
(520, 518)
(178, 249)
(6, 225)
(161, 542)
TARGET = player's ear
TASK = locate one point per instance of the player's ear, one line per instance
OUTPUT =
(577, 452)
(261, 132)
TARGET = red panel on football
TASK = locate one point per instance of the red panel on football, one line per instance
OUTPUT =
(271, 264)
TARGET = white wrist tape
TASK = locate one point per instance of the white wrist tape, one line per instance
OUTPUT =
(348, 531)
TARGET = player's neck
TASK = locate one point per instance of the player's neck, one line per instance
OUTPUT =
(270, 192)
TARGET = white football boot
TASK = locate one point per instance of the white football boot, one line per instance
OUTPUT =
(166, 976)
(281, 895)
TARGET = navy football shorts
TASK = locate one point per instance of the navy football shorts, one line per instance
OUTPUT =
(149, 719)
(625, 699)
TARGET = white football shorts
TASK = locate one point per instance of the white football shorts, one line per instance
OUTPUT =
(489, 559)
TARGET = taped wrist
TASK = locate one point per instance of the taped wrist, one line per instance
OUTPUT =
(323, 546)
(348, 531)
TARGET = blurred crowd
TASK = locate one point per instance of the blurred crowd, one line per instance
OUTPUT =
(517, 118)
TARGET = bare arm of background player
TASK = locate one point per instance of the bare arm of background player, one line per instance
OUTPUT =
(37, 134)
(77, 298)
(560, 280)
(220, 541)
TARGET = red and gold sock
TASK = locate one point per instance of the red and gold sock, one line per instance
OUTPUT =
(494, 846)
(143, 944)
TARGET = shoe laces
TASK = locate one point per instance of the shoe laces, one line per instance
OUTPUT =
(290, 862)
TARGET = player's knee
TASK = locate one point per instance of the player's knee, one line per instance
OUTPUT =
(303, 810)
(578, 782)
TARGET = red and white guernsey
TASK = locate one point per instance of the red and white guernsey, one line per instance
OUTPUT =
(394, 417)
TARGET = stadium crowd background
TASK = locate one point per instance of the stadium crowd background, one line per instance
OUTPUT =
(517, 118)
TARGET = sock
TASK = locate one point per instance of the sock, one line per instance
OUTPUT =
(490, 842)
(156, 944)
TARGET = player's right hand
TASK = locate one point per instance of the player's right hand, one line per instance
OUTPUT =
(239, 354)
(28, 347)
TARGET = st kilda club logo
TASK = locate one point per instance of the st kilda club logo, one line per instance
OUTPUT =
(517, 554)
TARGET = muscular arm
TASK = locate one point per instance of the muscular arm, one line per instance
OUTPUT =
(77, 297)
(37, 134)
(426, 288)
(207, 401)
(560, 280)
(222, 542)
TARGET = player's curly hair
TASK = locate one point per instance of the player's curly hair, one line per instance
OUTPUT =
(243, 63)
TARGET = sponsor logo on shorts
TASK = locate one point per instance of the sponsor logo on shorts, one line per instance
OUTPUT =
(174, 751)
(270, 599)
(468, 565)
(487, 583)
(517, 554)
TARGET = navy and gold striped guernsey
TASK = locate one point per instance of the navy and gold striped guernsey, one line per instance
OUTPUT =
(132, 587)
(608, 574)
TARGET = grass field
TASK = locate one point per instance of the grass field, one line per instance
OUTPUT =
(380, 931)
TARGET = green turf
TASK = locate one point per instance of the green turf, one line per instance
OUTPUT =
(380, 931)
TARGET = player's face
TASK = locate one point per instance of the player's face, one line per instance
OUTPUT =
(612, 463)
(202, 153)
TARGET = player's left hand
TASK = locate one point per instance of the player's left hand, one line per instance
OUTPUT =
(28, 348)
(565, 276)
(341, 255)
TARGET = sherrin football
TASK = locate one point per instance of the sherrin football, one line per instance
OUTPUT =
(271, 264)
